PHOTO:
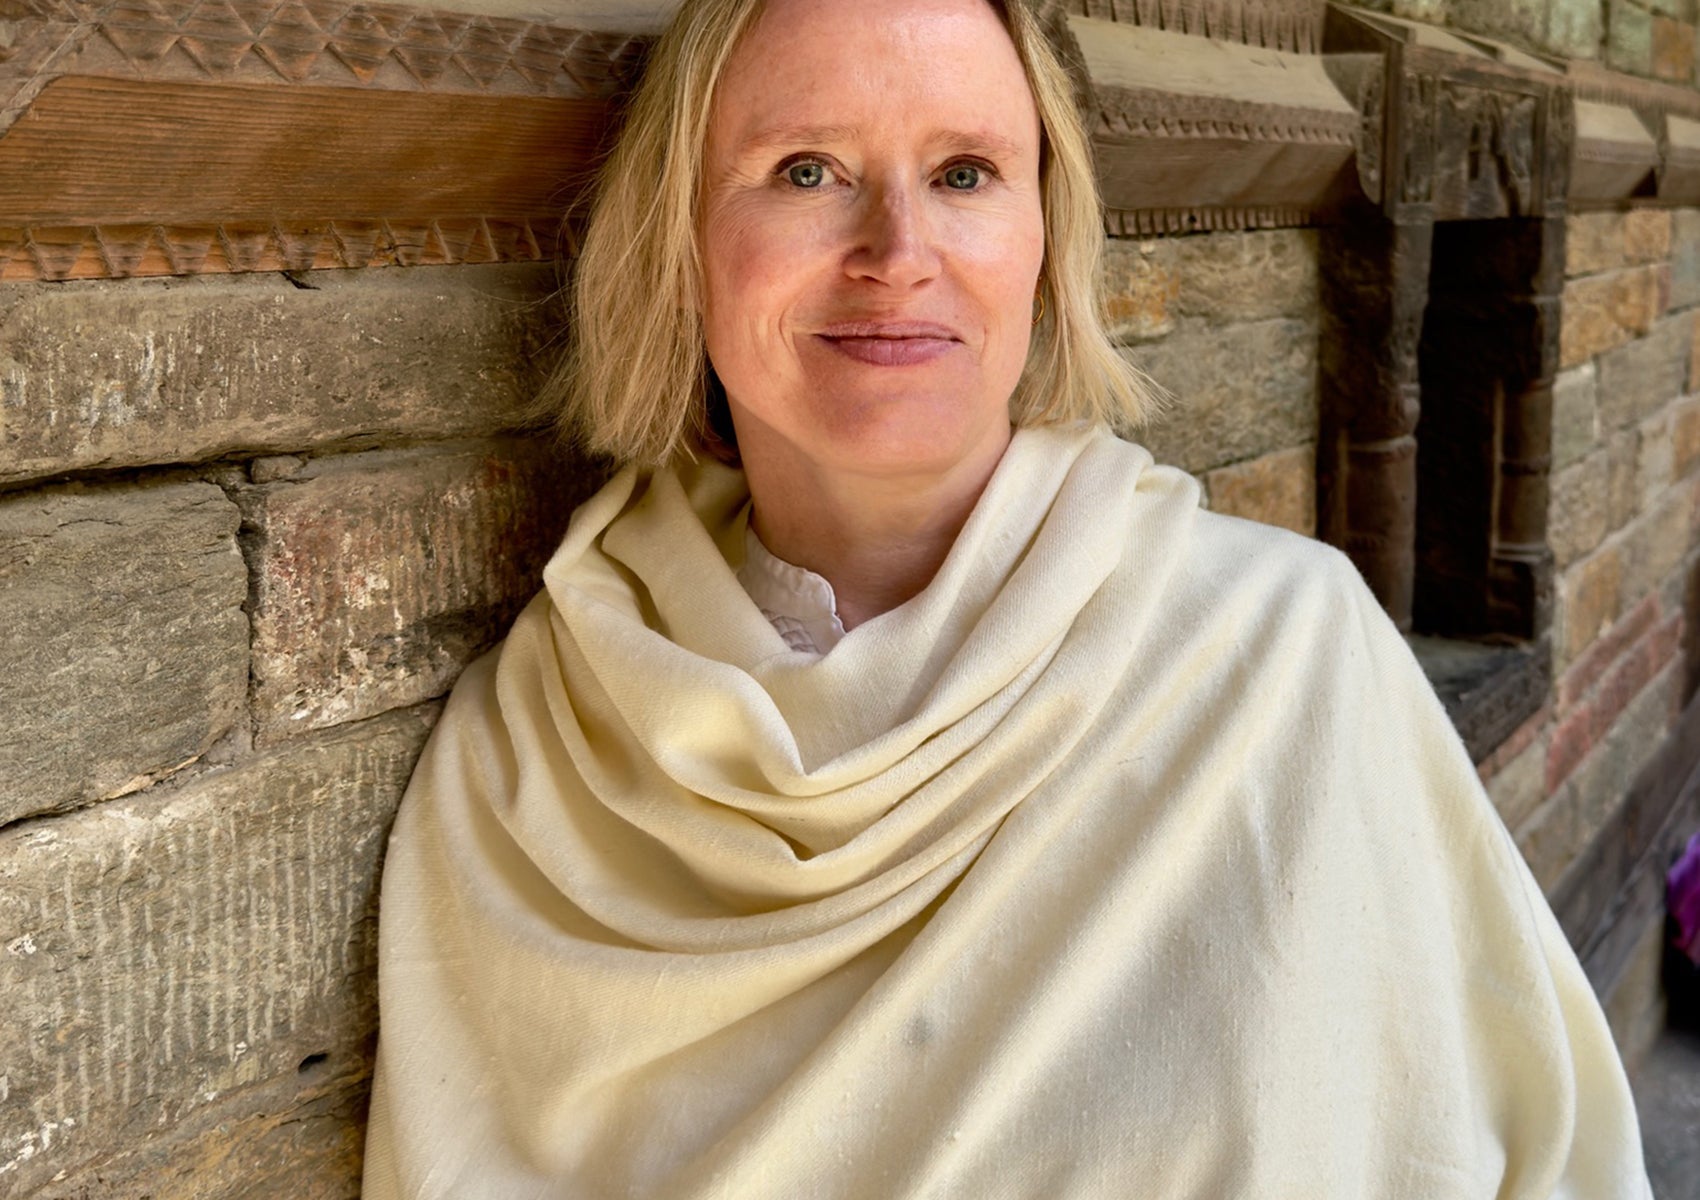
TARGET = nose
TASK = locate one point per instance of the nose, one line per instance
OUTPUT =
(893, 241)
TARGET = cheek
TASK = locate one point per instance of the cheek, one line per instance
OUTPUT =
(1003, 267)
(751, 257)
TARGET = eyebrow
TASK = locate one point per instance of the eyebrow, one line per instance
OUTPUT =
(959, 141)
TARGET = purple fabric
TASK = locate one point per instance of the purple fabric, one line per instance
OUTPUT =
(1682, 897)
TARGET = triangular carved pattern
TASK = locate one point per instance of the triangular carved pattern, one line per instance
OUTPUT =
(1139, 113)
(1294, 26)
(355, 42)
(1150, 222)
(125, 251)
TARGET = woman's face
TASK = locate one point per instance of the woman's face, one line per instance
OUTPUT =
(872, 234)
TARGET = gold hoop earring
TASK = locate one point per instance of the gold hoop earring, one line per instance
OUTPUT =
(1039, 295)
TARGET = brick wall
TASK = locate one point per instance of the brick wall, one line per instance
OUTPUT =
(250, 531)
(1624, 526)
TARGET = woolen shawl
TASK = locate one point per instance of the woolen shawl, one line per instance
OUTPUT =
(1133, 857)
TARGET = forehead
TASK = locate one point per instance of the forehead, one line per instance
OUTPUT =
(874, 65)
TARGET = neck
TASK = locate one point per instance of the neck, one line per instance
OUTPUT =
(878, 539)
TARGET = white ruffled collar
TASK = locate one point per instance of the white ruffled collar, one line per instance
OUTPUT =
(798, 603)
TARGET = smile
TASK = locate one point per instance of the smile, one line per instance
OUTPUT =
(890, 345)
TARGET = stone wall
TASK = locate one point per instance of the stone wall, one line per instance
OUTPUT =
(250, 530)
(1651, 38)
(1227, 325)
(1624, 527)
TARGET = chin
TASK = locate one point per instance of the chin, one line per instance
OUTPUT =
(907, 442)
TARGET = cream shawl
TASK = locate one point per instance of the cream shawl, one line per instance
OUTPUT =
(1134, 857)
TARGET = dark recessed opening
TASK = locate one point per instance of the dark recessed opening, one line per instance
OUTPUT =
(313, 1063)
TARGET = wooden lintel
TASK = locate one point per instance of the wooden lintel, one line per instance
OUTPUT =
(1188, 123)
(1679, 161)
(328, 43)
(116, 151)
(1614, 155)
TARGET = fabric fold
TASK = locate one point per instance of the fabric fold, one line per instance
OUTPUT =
(1132, 856)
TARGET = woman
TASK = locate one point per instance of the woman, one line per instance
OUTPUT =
(922, 809)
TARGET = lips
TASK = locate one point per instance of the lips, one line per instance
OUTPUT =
(890, 343)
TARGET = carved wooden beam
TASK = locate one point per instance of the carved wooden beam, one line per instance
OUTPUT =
(1294, 26)
(189, 136)
(1475, 130)
(1636, 139)
(1213, 115)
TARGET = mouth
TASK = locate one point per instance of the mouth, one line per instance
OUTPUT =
(890, 343)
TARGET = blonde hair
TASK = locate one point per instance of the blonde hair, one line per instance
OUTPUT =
(636, 383)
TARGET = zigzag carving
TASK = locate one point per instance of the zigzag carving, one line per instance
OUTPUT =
(335, 43)
(1133, 112)
(1153, 222)
(1291, 25)
(123, 251)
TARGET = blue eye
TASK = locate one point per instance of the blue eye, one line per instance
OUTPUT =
(962, 178)
(806, 174)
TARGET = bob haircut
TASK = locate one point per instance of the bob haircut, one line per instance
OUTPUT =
(636, 384)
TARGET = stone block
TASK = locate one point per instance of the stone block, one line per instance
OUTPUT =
(378, 576)
(1646, 374)
(1593, 242)
(1685, 436)
(1603, 779)
(1518, 787)
(1634, 1003)
(1656, 460)
(1240, 391)
(1277, 489)
(1520, 739)
(1647, 235)
(1227, 278)
(1568, 27)
(1602, 312)
(1588, 600)
(197, 960)
(1575, 415)
(123, 645)
(1254, 276)
(1656, 544)
(134, 373)
(1577, 512)
(252, 1144)
(1629, 38)
(1673, 50)
(1685, 258)
(1623, 496)
(1604, 241)
(1548, 839)
(1432, 12)
(1694, 356)
(1139, 291)
(1591, 665)
(1574, 28)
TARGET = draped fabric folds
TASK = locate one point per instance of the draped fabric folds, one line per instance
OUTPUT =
(1133, 857)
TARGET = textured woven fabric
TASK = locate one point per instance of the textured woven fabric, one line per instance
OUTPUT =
(1133, 857)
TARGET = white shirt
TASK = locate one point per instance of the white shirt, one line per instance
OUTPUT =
(798, 603)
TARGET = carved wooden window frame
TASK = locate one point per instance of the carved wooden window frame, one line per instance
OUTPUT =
(1454, 251)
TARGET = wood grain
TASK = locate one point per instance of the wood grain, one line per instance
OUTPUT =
(116, 152)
